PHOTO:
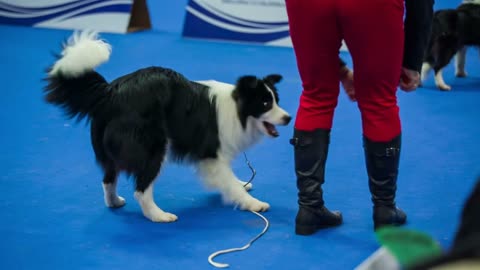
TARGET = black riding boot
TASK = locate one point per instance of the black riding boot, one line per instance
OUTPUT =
(310, 150)
(382, 160)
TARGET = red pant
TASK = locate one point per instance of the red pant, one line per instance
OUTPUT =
(373, 32)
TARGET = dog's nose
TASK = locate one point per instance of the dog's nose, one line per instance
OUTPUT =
(286, 119)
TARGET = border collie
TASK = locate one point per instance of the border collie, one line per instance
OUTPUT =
(453, 30)
(140, 118)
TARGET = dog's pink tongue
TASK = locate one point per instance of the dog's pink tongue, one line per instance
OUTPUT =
(271, 129)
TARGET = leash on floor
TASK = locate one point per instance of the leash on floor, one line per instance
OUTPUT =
(267, 225)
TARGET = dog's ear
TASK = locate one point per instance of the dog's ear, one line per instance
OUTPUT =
(247, 82)
(273, 78)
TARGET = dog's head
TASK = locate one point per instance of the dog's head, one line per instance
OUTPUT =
(257, 99)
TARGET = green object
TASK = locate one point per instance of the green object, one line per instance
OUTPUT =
(408, 246)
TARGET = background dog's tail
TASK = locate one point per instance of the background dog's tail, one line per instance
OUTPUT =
(72, 82)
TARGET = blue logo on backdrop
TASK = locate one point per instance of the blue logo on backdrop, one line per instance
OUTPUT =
(259, 21)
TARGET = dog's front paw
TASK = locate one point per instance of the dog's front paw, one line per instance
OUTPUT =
(115, 201)
(254, 205)
(444, 87)
(158, 215)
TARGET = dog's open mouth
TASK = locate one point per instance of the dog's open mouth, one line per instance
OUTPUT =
(271, 130)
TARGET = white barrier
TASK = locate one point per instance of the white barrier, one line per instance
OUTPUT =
(256, 21)
(250, 21)
(117, 16)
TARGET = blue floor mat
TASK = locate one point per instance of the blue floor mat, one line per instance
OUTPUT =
(52, 212)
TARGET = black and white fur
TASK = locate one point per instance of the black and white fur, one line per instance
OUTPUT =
(139, 118)
(453, 31)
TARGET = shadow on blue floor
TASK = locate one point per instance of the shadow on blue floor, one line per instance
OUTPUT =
(52, 214)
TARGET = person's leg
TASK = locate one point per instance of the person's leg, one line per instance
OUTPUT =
(316, 42)
(373, 32)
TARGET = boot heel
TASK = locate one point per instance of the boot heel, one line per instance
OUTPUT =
(310, 220)
(305, 229)
(388, 216)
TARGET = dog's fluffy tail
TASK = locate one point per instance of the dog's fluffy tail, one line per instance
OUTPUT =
(72, 82)
(83, 52)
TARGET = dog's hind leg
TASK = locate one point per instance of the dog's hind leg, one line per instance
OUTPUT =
(218, 174)
(139, 148)
(110, 188)
(144, 180)
(460, 63)
(109, 184)
(440, 64)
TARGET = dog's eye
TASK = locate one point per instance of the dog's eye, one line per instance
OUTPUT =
(265, 104)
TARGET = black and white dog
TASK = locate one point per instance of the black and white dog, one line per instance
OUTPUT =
(453, 30)
(140, 118)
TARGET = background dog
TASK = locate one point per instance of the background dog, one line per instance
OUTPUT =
(453, 30)
(140, 117)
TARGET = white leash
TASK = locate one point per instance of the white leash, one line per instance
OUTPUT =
(224, 265)
(225, 251)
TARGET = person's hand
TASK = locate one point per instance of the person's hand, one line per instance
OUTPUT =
(409, 80)
(346, 78)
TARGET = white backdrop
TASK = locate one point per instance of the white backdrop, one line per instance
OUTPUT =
(100, 15)
(252, 21)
